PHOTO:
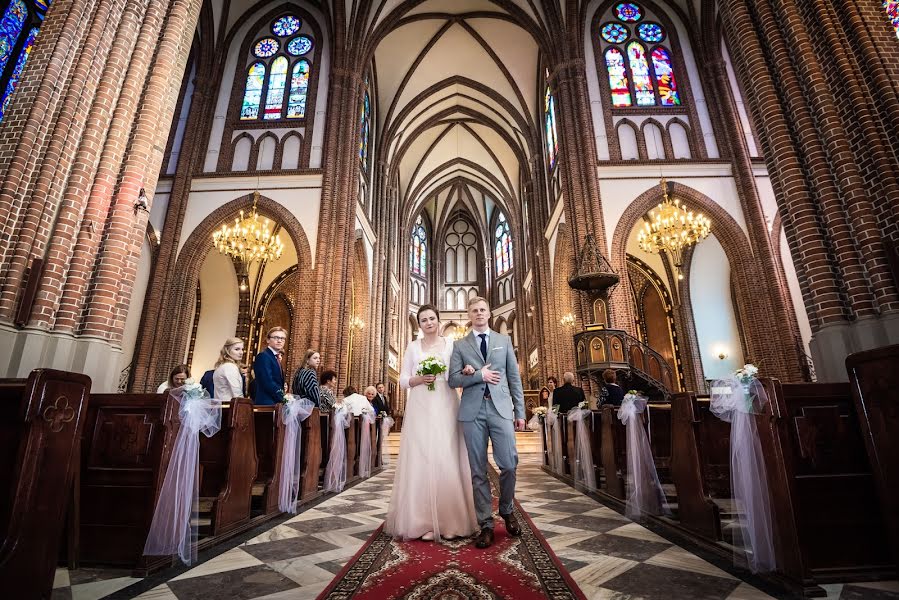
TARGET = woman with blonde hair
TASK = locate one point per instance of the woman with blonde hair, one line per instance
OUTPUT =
(227, 380)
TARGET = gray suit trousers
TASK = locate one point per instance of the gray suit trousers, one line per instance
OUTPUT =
(489, 424)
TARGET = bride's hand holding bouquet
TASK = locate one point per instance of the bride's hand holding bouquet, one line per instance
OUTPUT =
(429, 368)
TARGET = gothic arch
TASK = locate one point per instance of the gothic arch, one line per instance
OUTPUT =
(753, 318)
(174, 340)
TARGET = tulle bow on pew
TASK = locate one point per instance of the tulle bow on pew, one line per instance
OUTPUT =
(175, 520)
(295, 411)
(359, 406)
(535, 424)
(583, 471)
(736, 400)
(644, 491)
(554, 435)
(386, 426)
(335, 472)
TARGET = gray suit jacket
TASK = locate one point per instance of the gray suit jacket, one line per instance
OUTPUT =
(507, 395)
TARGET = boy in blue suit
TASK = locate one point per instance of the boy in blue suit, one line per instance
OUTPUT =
(269, 370)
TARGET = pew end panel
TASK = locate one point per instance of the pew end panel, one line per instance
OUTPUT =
(43, 420)
(269, 433)
(613, 440)
(315, 430)
(232, 505)
(874, 380)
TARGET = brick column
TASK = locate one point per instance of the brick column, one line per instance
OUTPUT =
(25, 127)
(75, 198)
(117, 266)
(103, 183)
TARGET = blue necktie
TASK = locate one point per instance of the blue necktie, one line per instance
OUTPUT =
(483, 337)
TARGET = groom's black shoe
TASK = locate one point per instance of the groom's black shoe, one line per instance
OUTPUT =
(512, 525)
(485, 538)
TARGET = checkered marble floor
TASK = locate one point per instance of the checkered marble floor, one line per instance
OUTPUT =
(609, 556)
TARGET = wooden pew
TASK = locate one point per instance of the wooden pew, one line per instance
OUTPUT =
(228, 468)
(269, 429)
(874, 381)
(41, 423)
(613, 452)
(122, 467)
(352, 450)
(825, 501)
(658, 423)
(315, 435)
(695, 508)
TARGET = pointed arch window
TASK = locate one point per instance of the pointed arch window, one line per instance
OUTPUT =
(638, 58)
(418, 251)
(502, 250)
(551, 130)
(365, 128)
(892, 8)
(278, 76)
(19, 26)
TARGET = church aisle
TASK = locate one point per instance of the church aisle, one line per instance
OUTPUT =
(608, 556)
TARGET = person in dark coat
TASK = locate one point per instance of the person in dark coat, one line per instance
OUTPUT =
(612, 394)
(568, 396)
(269, 370)
(380, 403)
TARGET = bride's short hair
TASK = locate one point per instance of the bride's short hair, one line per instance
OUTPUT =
(425, 307)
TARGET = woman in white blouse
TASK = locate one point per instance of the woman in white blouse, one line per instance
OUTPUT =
(227, 380)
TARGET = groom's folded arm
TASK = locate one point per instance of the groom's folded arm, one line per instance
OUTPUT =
(456, 379)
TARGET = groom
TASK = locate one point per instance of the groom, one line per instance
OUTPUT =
(491, 398)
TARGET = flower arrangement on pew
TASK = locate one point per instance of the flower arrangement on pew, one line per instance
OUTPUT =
(736, 400)
(584, 405)
(539, 412)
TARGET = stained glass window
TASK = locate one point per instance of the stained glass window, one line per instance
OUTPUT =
(300, 45)
(551, 130)
(365, 126)
(651, 32)
(632, 80)
(277, 81)
(285, 26)
(418, 252)
(299, 88)
(621, 93)
(614, 33)
(636, 55)
(266, 48)
(892, 8)
(502, 250)
(19, 27)
(628, 12)
(661, 63)
(277, 74)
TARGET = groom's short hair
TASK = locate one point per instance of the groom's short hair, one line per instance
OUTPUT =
(474, 300)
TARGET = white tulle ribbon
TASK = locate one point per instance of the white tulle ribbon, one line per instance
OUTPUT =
(535, 424)
(736, 402)
(295, 411)
(175, 519)
(386, 426)
(583, 470)
(367, 420)
(335, 472)
(644, 491)
(554, 435)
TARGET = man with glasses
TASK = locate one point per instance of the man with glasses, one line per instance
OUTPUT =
(269, 368)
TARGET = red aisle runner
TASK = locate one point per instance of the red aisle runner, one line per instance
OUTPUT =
(522, 568)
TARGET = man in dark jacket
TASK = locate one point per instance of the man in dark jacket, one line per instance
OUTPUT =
(269, 369)
(380, 402)
(568, 396)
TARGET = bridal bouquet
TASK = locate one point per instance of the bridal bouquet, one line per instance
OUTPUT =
(431, 366)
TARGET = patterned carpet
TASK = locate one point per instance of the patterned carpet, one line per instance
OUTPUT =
(523, 568)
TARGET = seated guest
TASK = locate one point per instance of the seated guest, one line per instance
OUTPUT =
(551, 384)
(227, 378)
(177, 377)
(327, 386)
(305, 380)
(269, 372)
(381, 404)
(568, 396)
(371, 394)
(612, 394)
(207, 383)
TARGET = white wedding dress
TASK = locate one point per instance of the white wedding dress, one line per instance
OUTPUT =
(432, 486)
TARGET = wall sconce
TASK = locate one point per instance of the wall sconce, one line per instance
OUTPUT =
(567, 321)
(722, 353)
(142, 204)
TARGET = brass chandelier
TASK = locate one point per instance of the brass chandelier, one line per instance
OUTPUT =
(672, 228)
(250, 238)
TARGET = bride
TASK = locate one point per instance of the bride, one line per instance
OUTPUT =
(432, 497)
